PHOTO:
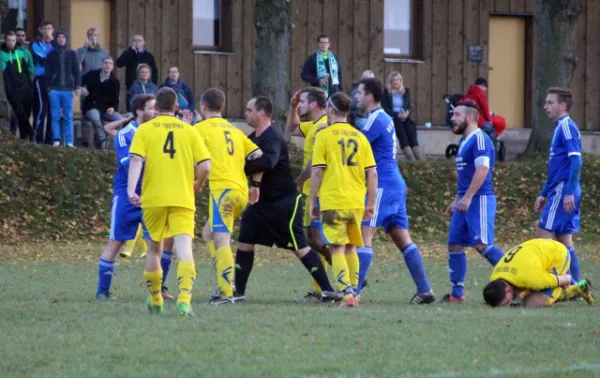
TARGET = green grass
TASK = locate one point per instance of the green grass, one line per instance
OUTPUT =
(52, 326)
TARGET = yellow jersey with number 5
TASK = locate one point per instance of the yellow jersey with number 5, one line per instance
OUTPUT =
(345, 154)
(172, 149)
(533, 265)
(229, 148)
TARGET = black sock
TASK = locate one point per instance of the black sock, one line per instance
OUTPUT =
(312, 263)
(243, 263)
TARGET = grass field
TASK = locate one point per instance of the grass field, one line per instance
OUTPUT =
(51, 325)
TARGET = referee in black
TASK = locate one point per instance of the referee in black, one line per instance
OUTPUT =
(276, 219)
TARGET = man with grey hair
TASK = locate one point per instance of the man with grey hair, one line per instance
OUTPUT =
(131, 60)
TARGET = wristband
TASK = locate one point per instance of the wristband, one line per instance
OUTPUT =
(255, 184)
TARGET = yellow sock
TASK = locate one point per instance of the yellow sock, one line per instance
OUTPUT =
(224, 266)
(186, 274)
(213, 253)
(570, 293)
(154, 284)
(340, 271)
(324, 262)
(316, 288)
(353, 266)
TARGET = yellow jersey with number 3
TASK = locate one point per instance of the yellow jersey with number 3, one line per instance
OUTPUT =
(534, 265)
(229, 148)
(172, 149)
(346, 155)
(308, 130)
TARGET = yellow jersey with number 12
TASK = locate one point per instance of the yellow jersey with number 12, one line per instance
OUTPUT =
(309, 129)
(172, 149)
(229, 149)
(346, 155)
(533, 265)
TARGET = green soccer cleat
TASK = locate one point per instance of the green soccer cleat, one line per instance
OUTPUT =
(585, 286)
(153, 309)
(184, 309)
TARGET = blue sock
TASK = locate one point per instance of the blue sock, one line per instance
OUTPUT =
(457, 264)
(574, 264)
(106, 270)
(165, 264)
(365, 255)
(414, 262)
(492, 254)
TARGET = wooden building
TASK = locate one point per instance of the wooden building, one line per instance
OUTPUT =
(426, 40)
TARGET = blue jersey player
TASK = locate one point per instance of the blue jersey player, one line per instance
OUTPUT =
(474, 209)
(125, 218)
(560, 197)
(390, 201)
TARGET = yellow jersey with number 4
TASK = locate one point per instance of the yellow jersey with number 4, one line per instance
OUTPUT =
(346, 155)
(308, 130)
(533, 265)
(229, 149)
(172, 149)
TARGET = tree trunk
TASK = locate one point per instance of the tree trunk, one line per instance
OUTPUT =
(272, 20)
(555, 22)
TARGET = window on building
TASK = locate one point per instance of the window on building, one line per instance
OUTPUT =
(401, 24)
(212, 24)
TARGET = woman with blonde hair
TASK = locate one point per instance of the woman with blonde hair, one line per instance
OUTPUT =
(396, 103)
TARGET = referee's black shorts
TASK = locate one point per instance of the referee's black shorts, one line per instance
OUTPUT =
(278, 222)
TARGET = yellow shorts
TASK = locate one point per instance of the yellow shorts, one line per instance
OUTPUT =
(342, 227)
(166, 222)
(230, 203)
(308, 219)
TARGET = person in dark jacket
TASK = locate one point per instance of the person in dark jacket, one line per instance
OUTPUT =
(62, 74)
(185, 95)
(102, 100)
(322, 70)
(18, 71)
(396, 103)
(41, 107)
(132, 58)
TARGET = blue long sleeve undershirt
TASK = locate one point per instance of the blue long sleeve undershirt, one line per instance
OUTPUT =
(574, 174)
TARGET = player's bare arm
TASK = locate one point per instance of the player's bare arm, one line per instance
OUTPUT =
(478, 179)
(304, 175)
(254, 192)
(539, 204)
(315, 184)
(112, 128)
(201, 173)
(135, 170)
(371, 190)
(293, 120)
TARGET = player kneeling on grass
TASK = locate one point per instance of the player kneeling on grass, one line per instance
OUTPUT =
(174, 153)
(341, 156)
(536, 271)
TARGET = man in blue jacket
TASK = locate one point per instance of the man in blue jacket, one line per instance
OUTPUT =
(39, 51)
(63, 77)
(185, 95)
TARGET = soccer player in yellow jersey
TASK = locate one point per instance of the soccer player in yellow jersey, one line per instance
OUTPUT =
(175, 155)
(309, 104)
(229, 149)
(341, 156)
(537, 270)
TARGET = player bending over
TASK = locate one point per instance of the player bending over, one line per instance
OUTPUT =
(340, 159)
(536, 271)
(229, 149)
(174, 154)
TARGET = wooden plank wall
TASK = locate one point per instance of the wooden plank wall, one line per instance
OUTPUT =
(355, 28)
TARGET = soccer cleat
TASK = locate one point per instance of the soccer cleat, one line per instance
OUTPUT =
(165, 293)
(309, 298)
(184, 309)
(105, 297)
(448, 298)
(215, 294)
(351, 302)
(222, 301)
(153, 309)
(125, 253)
(332, 296)
(238, 298)
(585, 286)
(423, 298)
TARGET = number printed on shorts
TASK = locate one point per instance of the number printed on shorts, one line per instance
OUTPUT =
(229, 142)
(169, 146)
(352, 146)
(511, 254)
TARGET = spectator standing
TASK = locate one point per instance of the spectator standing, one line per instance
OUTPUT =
(478, 93)
(102, 100)
(18, 71)
(185, 95)
(63, 77)
(322, 69)
(22, 42)
(396, 103)
(143, 84)
(41, 111)
(132, 58)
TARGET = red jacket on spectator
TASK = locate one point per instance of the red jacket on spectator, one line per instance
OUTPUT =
(478, 95)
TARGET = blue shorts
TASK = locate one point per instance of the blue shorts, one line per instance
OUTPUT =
(390, 210)
(555, 219)
(476, 225)
(125, 220)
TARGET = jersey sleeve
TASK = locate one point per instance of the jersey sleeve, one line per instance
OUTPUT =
(319, 155)
(200, 151)
(375, 131)
(368, 155)
(571, 138)
(484, 150)
(541, 280)
(249, 146)
(305, 127)
(139, 143)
